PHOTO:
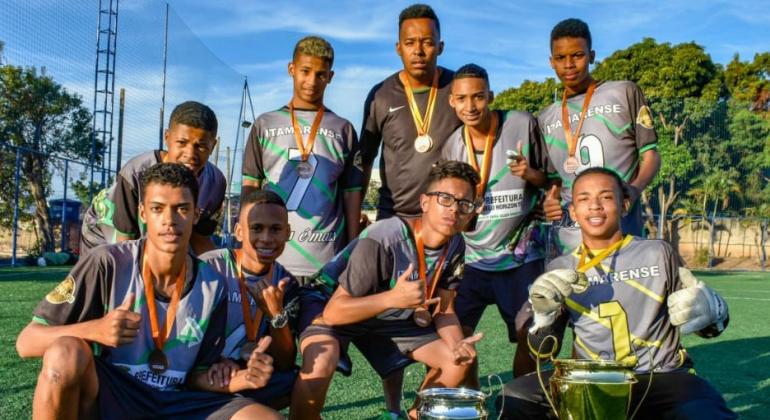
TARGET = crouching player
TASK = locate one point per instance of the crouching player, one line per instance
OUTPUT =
(627, 307)
(133, 322)
(400, 269)
(263, 230)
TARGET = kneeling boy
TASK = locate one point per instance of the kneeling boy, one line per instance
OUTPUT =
(133, 322)
(625, 297)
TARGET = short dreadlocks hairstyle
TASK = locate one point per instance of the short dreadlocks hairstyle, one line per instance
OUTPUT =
(471, 71)
(173, 174)
(314, 46)
(571, 28)
(417, 11)
(194, 114)
(453, 169)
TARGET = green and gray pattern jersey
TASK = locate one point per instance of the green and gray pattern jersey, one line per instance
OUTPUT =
(623, 314)
(618, 128)
(223, 262)
(100, 282)
(382, 253)
(315, 204)
(508, 199)
(115, 210)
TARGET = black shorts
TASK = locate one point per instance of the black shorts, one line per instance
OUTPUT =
(278, 387)
(386, 354)
(121, 396)
(507, 289)
(673, 395)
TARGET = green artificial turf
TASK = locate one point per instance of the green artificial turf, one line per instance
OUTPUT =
(737, 362)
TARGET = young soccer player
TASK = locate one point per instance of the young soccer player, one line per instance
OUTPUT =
(400, 279)
(309, 156)
(632, 306)
(135, 321)
(263, 231)
(494, 273)
(409, 115)
(597, 123)
(190, 138)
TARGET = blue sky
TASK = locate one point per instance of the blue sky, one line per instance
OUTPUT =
(214, 44)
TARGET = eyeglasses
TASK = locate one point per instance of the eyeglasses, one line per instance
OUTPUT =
(447, 200)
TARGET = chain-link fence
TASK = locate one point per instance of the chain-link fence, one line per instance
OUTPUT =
(145, 50)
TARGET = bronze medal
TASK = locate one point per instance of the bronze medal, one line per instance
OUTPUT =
(158, 362)
(571, 165)
(304, 170)
(422, 317)
(423, 143)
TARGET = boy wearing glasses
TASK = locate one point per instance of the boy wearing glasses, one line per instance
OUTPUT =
(400, 280)
(500, 259)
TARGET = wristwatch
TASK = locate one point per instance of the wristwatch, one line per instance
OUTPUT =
(280, 320)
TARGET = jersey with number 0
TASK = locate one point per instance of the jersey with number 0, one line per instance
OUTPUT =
(223, 261)
(100, 282)
(315, 204)
(618, 128)
(383, 252)
(388, 122)
(508, 199)
(623, 314)
(115, 210)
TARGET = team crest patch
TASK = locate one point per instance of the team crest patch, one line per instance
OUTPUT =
(64, 292)
(644, 118)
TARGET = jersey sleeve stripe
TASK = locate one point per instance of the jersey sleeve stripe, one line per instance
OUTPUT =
(40, 320)
(648, 147)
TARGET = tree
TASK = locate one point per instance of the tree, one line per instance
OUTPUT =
(41, 117)
(530, 96)
(684, 87)
(750, 81)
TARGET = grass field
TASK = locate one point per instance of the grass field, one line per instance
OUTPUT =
(737, 362)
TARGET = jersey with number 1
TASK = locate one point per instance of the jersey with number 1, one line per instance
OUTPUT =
(618, 128)
(624, 315)
(315, 204)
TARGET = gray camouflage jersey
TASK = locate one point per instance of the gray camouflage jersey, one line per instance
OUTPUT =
(315, 204)
(624, 314)
(100, 282)
(618, 128)
(382, 253)
(508, 199)
(223, 261)
(115, 210)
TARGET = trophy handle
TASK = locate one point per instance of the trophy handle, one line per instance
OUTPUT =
(540, 375)
(404, 408)
(649, 384)
(487, 395)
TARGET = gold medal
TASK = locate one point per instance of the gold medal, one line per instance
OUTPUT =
(423, 143)
(581, 283)
(571, 165)
(304, 170)
(422, 317)
(158, 362)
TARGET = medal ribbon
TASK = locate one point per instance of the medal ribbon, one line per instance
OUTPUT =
(572, 140)
(160, 336)
(421, 123)
(421, 266)
(584, 266)
(486, 161)
(305, 152)
(251, 324)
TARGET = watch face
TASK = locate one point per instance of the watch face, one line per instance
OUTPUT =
(280, 320)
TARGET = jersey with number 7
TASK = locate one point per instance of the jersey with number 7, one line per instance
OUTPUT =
(315, 204)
